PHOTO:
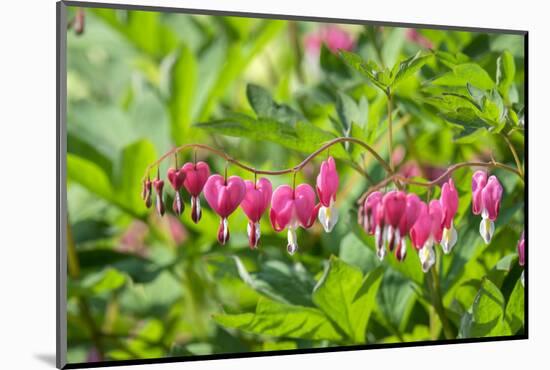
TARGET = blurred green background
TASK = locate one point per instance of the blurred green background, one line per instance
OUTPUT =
(269, 92)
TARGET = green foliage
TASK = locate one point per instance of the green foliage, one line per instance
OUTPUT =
(141, 83)
(386, 79)
(280, 320)
(343, 298)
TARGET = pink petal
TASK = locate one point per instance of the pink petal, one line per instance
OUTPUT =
(224, 197)
(304, 200)
(422, 228)
(282, 207)
(256, 199)
(449, 203)
(176, 178)
(491, 196)
(395, 203)
(436, 214)
(479, 180)
(196, 175)
(411, 213)
(521, 250)
(327, 182)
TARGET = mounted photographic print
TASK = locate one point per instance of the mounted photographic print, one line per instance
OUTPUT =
(236, 185)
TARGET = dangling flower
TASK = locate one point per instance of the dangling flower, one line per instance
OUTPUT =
(292, 208)
(449, 206)
(176, 178)
(421, 237)
(224, 196)
(254, 204)
(158, 184)
(521, 250)
(486, 197)
(426, 231)
(327, 185)
(371, 218)
(521, 255)
(395, 205)
(196, 175)
(146, 192)
(407, 221)
(367, 211)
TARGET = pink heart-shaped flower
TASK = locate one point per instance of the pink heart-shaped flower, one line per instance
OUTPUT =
(224, 196)
(257, 198)
(196, 175)
(479, 180)
(293, 207)
(176, 178)
(449, 202)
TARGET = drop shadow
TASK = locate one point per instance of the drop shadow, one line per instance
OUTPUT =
(47, 358)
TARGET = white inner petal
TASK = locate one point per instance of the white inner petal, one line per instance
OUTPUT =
(486, 229)
(379, 237)
(427, 255)
(292, 240)
(449, 239)
(328, 217)
(225, 228)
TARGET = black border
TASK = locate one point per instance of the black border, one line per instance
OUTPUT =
(61, 257)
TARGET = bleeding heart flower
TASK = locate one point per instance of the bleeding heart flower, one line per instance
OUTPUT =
(486, 197)
(176, 178)
(224, 196)
(292, 208)
(521, 255)
(196, 175)
(367, 211)
(412, 211)
(159, 185)
(395, 205)
(449, 206)
(371, 218)
(327, 185)
(146, 192)
(254, 205)
(479, 180)
(521, 250)
(426, 231)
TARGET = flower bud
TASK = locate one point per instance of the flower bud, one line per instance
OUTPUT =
(159, 185)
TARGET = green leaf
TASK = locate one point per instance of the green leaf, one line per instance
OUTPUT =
(265, 107)
(279, 281)
(89, 175)
(104, 281)
(487, 316)
(409, 67)
(348, 298)
(304, 137)
(143, 29)
(506, 71)
(515, 314)
(392, 45)
(282, 320)
(369, 69)
(331, 63)
(463, 74)
(237, 58)
(351, 112)
(182, 92)
(132, 163)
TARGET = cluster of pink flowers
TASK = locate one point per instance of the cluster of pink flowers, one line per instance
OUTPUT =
(392, 216)
(291, 208)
